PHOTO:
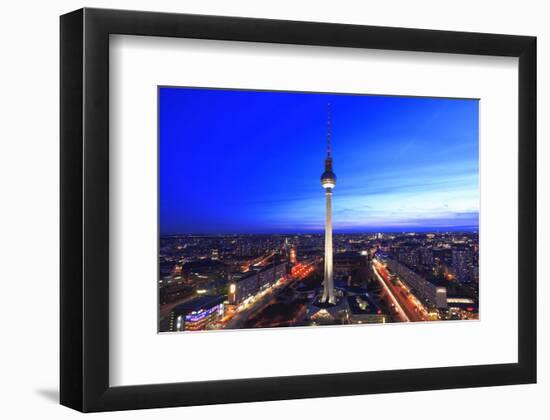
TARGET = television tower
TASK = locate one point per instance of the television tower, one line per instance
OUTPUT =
(328, 181)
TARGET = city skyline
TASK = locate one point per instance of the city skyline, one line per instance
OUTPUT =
(229, 282)
(246, 162)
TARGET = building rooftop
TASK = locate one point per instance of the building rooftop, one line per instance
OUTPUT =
(203, 265)
(199, 302)
(356, 290)
(362, 305)
(245, 276)
(348, 254)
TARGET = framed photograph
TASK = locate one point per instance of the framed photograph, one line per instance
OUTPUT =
(257, 209)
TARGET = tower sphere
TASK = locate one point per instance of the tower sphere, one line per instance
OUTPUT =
(328, 179)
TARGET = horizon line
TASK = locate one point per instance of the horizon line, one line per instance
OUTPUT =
(463, 230)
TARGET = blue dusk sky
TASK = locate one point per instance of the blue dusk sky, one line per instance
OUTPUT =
(250, 162)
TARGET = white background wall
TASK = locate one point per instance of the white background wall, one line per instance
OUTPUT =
(29, 268)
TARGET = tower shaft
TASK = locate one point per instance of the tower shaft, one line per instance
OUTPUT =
(328, 289)
(328, 181)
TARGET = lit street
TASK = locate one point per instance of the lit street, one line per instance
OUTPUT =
(408, 307)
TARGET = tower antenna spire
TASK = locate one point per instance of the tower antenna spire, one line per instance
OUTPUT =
(328, 128)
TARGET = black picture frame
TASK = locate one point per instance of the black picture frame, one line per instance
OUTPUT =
(84, 297)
